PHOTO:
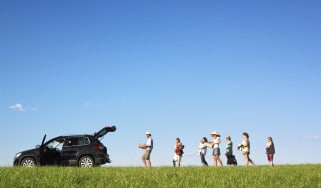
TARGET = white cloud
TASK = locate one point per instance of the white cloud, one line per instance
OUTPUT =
(17, 107)
(313, 137)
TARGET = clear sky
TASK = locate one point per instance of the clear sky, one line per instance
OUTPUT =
(177, 68)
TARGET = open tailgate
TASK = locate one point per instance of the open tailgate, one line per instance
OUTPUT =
(104, 131)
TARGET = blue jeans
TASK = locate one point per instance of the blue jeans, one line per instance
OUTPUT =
(203, 159)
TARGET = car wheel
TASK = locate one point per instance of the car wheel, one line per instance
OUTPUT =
(28, 162)
(86, 162)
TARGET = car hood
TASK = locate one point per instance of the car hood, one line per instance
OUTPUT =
(31, 151)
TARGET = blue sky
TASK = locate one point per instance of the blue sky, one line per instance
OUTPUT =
(175, 68)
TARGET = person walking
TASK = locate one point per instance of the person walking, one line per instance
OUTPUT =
(245, 148)
(231, 160)
(202, 149)
(148, 150)
(270, 150)
(178, 152)
(216, 148)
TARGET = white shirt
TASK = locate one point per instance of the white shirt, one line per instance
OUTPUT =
(203, 148)
(216, 142)
(149, 143)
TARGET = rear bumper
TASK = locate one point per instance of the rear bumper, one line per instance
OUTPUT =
(100, 160)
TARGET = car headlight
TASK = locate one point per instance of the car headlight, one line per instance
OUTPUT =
(17, 155)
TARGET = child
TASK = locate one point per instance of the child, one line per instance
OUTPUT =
(178, 152)
(202, 148)
(270, 150)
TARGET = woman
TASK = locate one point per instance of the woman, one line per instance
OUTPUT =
(216, 148)
(178, 152)
(229, 152)
(270, 150)
(245, 147)
(202, 148)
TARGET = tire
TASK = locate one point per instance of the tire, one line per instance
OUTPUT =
(86, 162)
(28, 162)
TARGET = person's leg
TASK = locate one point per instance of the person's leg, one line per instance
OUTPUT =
(271, 159)
(250, 160)
(149, 163)
(203, 159)
(146, 158)
(228, 160)
(174, 160)
(246, 157)
(219, 160)
(143, 160)
(217, 154)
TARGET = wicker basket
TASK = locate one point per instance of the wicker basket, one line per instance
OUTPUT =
(142, 146)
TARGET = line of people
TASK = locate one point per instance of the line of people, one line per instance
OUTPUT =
(215, 144)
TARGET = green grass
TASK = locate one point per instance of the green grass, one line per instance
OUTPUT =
(260, 176)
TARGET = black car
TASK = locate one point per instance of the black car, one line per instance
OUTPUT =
(73, 150)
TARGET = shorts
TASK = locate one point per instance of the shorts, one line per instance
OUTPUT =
(270, 157)
(216, 151)
(146, 154)
(246, 151)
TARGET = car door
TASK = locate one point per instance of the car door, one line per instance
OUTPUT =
(70, 151)
(51, 151)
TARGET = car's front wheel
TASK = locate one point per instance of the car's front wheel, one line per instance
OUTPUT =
(28, 162)
(86, 162)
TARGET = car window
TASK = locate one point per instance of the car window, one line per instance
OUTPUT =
(57, 143)
(77, 141)
(83, 141)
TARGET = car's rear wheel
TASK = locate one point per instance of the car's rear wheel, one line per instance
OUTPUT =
(28, 162)
(86, 162)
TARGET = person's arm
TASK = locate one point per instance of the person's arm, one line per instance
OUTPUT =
(268, 145)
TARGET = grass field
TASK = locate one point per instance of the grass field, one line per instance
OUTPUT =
(259, 176)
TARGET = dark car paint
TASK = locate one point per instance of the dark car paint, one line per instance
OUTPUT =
(69, 155)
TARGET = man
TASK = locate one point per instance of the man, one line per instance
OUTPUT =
(148, 149)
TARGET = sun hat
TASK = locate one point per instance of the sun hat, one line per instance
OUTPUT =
(214, 133)
(148, 133)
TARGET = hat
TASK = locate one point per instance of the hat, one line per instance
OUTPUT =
(214, 133)
(148, 133)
